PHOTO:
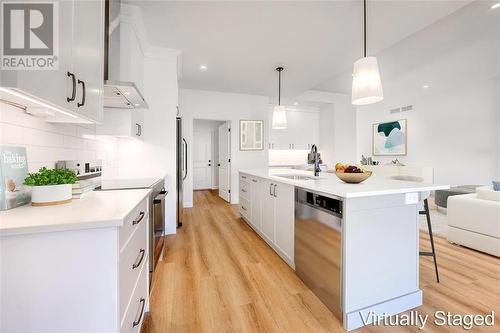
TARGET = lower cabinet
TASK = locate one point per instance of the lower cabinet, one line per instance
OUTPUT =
(272, 214)
(88, 280)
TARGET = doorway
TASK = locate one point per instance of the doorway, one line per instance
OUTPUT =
(211, 156)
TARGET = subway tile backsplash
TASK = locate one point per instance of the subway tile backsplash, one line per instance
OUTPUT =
(47, 143)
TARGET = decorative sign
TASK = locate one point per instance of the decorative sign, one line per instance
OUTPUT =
(13, 171)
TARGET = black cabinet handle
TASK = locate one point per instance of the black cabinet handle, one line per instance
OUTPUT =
(274, 194)
(139, 130)
(83, 93)
(138, 321)
(73, 92)
(271, 189)
(142, 252)
(139, 218)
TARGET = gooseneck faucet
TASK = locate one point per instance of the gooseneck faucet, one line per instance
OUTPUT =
(315, 158)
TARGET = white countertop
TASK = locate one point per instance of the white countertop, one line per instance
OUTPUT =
(99, 209)
(328, 183)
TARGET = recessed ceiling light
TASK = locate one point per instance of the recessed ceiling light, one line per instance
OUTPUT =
(137, 104)
(295, 103)
(126, 93)
(497, 5)
(203, 68)
(425, 86)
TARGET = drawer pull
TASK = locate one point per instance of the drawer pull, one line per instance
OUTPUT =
(138, 321)
(243, 207)
(254, 180)
(139, 218)
(244, 177)
(243, 190)
(140, 257)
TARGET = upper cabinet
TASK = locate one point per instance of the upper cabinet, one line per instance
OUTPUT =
(76, 86)
(301, 133)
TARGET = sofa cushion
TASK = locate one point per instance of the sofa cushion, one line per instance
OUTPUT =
(487, 193)
(467, 212)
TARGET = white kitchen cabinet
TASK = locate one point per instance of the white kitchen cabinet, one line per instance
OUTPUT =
(284, 217)
(272, 213)
(86, 280)
(122, 123)
(301, 133)
(80, 63)
(88, 57)
(256, 203)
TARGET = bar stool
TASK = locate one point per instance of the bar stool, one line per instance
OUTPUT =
(429, 226)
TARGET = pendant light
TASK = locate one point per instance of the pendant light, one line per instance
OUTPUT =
(279, 111)
(366, 82)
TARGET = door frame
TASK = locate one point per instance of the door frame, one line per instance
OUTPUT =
(229, 163)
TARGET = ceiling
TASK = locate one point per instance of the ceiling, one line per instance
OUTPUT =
(242, 42)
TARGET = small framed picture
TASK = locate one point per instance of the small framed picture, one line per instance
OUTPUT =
(251, 135)
(390, 138)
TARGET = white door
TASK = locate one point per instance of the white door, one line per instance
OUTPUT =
(224, 162)
(202, 160)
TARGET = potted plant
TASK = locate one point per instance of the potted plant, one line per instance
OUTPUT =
(50, 186)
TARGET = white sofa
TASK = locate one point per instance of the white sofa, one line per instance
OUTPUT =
(474, 220)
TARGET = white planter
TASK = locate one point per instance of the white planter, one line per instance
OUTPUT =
(51, 195)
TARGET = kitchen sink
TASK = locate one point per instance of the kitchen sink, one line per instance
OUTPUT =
(297, 177)
(407, 178)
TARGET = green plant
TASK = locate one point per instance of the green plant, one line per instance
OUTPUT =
(46, 176)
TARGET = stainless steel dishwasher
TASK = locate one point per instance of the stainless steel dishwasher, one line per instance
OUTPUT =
(318, 246)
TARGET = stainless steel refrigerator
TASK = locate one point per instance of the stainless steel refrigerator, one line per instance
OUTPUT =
(182, 169)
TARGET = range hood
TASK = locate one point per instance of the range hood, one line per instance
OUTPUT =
(118, 94)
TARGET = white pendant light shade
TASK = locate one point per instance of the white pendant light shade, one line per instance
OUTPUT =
(279, 117)
(366, 82)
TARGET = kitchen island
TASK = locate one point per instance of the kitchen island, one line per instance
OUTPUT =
(355, 245)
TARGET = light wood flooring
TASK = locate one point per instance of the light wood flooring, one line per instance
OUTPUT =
(217, 275)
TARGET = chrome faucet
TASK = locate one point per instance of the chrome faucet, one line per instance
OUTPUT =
(315, 158)
(397, 162)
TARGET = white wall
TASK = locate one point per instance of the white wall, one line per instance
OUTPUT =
(156, 155)
(47, 143)
(455, 122)
(201, 104)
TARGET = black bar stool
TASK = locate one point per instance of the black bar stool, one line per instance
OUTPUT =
(429, 226)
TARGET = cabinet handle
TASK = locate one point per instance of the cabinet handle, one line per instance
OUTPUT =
(139, 218)
(244, 177)
(142, 252)
(254, 180)
(83, 93)
(137, 322)
(244, 191)
(271, 189)
(139, 129)
(274, 194)
(243, 207)
(73, 92)
(272, 145)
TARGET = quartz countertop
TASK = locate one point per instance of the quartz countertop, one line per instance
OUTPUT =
(328, 183)
(97, 210)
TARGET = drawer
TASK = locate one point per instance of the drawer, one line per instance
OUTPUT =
(131, 322)
(138, 216)
(245, 189)
(244, 177)
(132, 259)
(245, 208)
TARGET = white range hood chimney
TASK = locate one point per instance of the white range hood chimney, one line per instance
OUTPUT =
(118, 94)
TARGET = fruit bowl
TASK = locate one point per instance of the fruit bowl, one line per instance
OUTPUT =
(353, 178)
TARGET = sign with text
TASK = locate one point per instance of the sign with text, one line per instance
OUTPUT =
(29, 37)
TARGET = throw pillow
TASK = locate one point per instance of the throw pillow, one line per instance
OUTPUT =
(496, 186)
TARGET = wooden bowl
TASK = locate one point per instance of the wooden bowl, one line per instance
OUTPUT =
(353, 178)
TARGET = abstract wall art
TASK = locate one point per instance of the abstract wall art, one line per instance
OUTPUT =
(389, 138)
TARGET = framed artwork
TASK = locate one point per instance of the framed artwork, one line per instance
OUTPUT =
(251, 135)
(390, 138)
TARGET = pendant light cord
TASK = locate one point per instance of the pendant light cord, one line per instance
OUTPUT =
(279, 69)
(364, 27)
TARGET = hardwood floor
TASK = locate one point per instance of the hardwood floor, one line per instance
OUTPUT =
(217, 275)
